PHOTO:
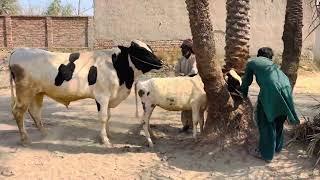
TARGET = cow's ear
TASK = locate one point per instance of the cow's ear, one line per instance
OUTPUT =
(123, 49)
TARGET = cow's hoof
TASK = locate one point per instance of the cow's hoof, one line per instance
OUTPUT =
(44, 132)
(105, 141)
(184, 129)
(108, 145)
(25, 142)
(150, 143)
(196, 140)
(109, 136)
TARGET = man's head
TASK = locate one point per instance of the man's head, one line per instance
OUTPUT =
(186, 48)
(265, 52)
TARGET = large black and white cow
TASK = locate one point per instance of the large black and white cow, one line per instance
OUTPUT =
(105, 76)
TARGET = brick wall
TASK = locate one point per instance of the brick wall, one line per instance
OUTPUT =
(62, 33)
(28, 31)
(46, 32)
(2, 33)
(158, 45)
(71, 32)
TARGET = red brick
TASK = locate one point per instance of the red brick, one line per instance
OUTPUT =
(2, 32)
(70, 32)
(28, 31)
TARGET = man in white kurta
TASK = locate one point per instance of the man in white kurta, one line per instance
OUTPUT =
(186, 66)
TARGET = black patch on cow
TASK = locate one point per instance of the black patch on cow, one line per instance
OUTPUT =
(98, 105)
(144, 106)
(170, 99)
(148, 93)
(153, 105)
(124, 71)
(73, 57)
(140, 92)
(13, 77)
(17, 72)
(150, 48)
(92, 75)
(185, 128)
(233, 84)
(143, 59)
(65, 72)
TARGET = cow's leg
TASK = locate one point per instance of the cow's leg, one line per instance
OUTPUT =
(20, 107)
(107, 124)
(35, 112)
(148, 109)
(195, 119)
(151, 133)
(201, 122)
(103, 117)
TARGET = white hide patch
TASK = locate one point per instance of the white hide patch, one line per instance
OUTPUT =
(142, 44)
(136, 71)
(235, 75)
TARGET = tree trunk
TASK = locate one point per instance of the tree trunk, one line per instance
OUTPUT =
(292, 39)
(237, 34)
(221, 108)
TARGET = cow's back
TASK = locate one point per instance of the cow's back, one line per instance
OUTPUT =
(41, 71)
(175, 93)
(38, 64)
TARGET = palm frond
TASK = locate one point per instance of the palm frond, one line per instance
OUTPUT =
(315, 22)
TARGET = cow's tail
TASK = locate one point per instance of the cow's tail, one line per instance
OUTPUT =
(12, 92)
(135, 93)
(13, 98)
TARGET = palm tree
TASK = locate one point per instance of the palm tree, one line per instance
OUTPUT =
(224, 114)
(237, 34)
(292, 39)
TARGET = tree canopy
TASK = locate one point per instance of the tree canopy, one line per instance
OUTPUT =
(9, 7)
(57, 9)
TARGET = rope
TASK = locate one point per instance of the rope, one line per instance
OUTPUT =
(145, 62)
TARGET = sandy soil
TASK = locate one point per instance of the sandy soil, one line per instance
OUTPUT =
(70, 151)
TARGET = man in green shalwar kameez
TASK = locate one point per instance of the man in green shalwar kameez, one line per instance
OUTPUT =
(275, 103)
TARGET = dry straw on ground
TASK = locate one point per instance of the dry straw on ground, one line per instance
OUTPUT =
(309, 133)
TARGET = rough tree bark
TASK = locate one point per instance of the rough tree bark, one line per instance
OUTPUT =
(237, 34)
(223, 114)
(292, 39)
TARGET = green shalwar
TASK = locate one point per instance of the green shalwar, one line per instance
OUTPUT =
(275, 103)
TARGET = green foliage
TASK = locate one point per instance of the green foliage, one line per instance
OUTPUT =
(9, 7)
(57, 9)
(67, 10)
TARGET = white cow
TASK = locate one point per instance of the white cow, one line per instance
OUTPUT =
(106, 76)
(173, 94)
(178, 94)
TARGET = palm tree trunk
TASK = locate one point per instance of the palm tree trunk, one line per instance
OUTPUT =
(237, 34)
(292, 39)
(220, 104)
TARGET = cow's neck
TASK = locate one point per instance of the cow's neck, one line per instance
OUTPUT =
(126, 71)
(136, 72)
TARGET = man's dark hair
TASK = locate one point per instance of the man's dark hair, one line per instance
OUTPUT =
(265, 52)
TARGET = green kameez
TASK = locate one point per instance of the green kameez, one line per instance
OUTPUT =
(275, 103)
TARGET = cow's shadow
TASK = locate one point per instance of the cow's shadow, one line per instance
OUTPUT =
(67, 135)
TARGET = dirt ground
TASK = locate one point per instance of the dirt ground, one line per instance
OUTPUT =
(70, 150)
